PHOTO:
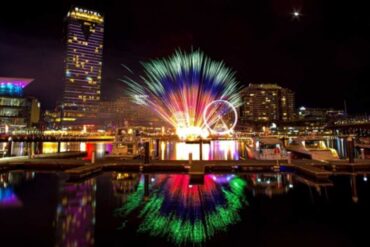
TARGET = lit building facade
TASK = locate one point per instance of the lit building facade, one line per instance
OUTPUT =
(267, 103)
(83, 66)
(16, 110)
(319, 114)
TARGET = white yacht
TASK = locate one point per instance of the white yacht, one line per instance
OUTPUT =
(266, 148)
(312, 148)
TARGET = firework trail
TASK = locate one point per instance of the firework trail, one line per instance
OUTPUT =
(180, 87)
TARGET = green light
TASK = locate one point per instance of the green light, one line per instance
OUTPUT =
(183, 229)
(133, 201)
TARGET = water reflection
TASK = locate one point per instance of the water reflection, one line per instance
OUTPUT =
(215, 150)
(75, 216)
(270, 184)
(124, 184)
(20, 148)
(8, 198)
(8, 181)
(183, 212)
(339, 144)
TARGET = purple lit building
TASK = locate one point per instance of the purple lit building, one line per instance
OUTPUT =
(16, 111)
(83, 67)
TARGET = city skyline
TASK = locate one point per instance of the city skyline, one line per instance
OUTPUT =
(318, 54)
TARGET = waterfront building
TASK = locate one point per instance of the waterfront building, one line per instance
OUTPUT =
(83, 67)
(267, 103)
(16, 110)
(319, 114)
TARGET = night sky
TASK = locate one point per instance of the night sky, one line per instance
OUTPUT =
(324, 55)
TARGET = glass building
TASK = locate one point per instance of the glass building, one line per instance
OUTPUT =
(16, 111)
(83, 66)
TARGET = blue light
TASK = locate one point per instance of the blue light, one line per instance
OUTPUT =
(10, 89)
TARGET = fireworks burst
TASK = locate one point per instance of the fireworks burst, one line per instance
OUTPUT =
(180, 87)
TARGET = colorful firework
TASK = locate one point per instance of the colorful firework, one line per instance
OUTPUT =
(184, 213)
(180, 88)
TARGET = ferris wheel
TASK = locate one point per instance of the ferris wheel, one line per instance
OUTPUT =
(220, 117)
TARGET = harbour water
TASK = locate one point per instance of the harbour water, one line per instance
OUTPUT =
(134, 209)
(120, 209)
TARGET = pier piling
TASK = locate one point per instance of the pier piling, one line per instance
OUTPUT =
(146, 156)
(362, 153)
(351, 150)
(157, 147)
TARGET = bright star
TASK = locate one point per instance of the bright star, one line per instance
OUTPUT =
(296, 14)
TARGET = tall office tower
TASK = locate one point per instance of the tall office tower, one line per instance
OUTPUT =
(83, 66)
(267, 103)
(287, 104)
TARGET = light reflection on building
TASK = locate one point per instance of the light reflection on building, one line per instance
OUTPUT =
(75, 220)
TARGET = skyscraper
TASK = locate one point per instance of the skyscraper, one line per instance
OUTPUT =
(267, 103)
(83, 66)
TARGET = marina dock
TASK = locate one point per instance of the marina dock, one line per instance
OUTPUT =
(77, 168)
